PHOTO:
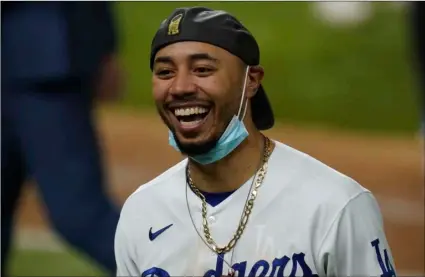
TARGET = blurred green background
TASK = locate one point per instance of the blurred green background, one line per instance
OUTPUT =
(331, 74)
(316, 73)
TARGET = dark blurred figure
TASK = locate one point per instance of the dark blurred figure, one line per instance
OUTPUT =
(57, 59)
(418, 20)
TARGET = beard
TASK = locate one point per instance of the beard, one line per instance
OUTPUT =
(194, 149)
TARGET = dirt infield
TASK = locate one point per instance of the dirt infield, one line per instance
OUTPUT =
(391, 167)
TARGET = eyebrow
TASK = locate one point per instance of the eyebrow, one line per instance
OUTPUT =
(202, 56)
(192, 58)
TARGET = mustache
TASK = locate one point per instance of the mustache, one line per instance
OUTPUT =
(194, 101)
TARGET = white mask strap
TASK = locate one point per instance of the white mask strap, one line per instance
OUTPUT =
(243, 96)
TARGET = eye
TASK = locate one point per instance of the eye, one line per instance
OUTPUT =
(203, 71)
(164, 73)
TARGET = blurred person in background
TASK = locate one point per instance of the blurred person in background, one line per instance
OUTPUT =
(58, 59)
(418, 16)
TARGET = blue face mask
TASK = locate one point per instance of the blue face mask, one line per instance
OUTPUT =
(232, 137)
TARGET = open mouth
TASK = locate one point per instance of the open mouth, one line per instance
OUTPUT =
(191, 116)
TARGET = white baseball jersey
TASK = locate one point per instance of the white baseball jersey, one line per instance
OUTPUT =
(307, 220)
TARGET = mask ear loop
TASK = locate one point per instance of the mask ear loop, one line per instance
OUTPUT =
(243, 97)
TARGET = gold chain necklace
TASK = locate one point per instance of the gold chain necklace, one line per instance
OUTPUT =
(258, 180)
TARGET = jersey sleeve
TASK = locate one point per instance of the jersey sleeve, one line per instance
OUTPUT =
(355, 244)
(124, 253)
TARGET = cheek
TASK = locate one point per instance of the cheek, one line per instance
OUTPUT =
(158, 97)
(213, 88)
(158, 93)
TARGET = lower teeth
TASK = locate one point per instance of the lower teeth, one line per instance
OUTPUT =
(190, 123)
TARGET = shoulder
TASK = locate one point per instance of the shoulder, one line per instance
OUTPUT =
(313, 180)
(150, 205)
(147, 195)
(317, 192)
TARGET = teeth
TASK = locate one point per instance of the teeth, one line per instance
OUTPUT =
(190, 111)
(189, 123)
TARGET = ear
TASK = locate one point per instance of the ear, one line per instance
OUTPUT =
(255, 77)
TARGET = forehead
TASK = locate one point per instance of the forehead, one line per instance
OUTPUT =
(181, 51)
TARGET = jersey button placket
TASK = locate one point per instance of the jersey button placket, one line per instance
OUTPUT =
(211, 220)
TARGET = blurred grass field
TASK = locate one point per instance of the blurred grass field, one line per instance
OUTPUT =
(354, 78)
(45, 263)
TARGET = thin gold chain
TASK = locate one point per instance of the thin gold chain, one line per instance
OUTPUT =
(258, 180)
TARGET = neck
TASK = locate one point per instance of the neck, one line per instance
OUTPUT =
(233, 171)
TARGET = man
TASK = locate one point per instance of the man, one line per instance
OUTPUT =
(241, 204)
(57, 59)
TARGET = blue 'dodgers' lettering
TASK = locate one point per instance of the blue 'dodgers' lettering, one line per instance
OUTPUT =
(260, 268)
(277, 267)
(155, 271)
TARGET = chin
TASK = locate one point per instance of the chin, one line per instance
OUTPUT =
(195, 148)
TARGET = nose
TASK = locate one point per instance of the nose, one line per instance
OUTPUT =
(182, 85)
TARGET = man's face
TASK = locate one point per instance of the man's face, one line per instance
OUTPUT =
(197, 88)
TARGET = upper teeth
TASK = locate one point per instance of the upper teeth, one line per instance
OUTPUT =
(190, 111)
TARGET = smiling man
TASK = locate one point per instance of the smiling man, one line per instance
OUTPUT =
(240, 203)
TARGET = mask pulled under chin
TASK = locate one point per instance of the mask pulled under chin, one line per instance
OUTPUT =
(232, 137)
